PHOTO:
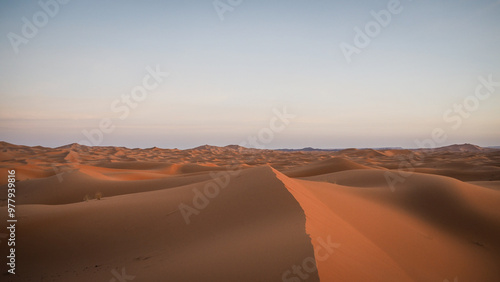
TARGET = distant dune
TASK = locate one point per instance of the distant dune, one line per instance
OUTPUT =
(460, 148)
(323, 167)
(239, 214)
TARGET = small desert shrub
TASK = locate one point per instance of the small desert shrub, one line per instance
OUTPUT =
(86, 198)
(98, 196)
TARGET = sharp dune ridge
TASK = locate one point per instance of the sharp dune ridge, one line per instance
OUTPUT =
(239, 214)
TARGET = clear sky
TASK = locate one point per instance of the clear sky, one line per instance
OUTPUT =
(229, 70)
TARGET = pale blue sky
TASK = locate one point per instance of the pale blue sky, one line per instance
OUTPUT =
(227, 76)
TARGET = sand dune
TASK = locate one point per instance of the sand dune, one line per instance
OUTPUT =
(253, 231)
(237, 214)
(323, 167)
(447, 227)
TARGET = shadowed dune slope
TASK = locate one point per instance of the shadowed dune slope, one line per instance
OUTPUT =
(254, 230)
(72, 186)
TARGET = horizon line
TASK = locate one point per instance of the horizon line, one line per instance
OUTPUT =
(274, 149)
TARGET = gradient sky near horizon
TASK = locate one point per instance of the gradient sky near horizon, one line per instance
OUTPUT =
(226, 76)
